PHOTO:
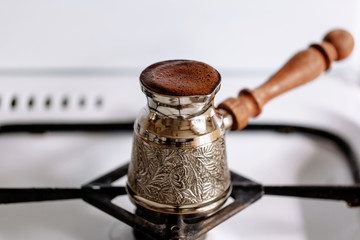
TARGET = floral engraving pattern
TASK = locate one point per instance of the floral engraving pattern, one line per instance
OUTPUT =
(179, 176)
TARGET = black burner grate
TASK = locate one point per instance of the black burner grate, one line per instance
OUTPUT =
(100, 191)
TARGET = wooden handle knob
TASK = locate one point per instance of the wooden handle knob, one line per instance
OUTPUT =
(301, 68)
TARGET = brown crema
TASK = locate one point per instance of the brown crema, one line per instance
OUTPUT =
(180, 78)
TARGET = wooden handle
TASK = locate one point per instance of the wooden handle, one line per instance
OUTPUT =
(301, 68)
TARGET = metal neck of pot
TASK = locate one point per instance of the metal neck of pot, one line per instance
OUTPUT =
(179, 107)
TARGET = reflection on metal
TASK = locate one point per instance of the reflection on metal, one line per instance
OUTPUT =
(179, 180)
(178, 163)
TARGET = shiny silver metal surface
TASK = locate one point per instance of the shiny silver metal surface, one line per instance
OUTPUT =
(180, 107)
(178, 160)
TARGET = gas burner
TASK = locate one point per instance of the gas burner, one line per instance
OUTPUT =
(149, 224)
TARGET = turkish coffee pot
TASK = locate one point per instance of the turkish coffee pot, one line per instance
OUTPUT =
(178, 163)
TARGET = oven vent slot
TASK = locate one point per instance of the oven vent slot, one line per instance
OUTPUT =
(17, 102)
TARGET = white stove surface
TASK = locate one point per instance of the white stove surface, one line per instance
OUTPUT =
(70, 160)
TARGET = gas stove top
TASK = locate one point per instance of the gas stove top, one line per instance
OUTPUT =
(70, 160)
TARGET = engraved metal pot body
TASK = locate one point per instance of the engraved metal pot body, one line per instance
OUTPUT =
(178, 162)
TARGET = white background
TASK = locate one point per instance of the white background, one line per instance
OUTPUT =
(236, 35)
